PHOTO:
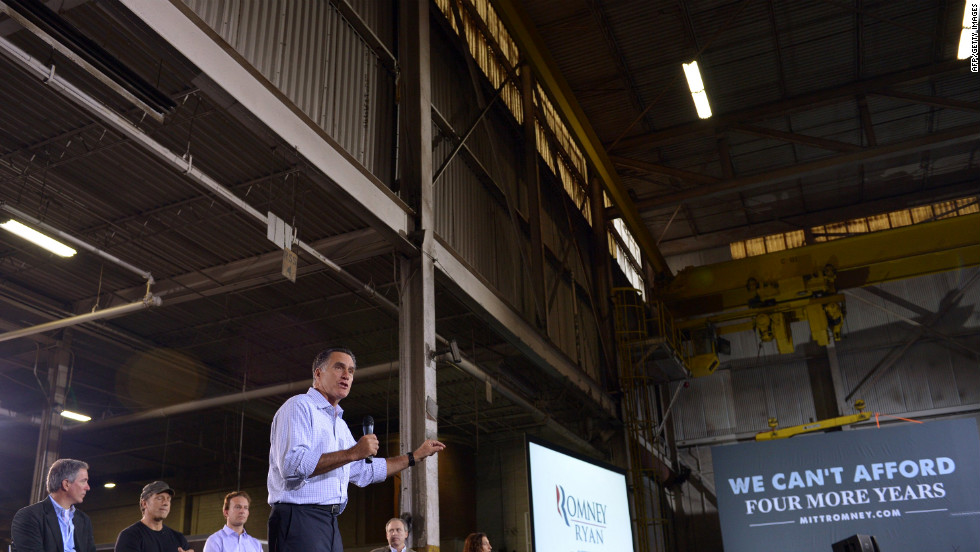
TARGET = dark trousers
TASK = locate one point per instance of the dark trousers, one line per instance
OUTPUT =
(303, 528)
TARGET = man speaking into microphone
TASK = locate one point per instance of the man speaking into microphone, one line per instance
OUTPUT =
(313, 455)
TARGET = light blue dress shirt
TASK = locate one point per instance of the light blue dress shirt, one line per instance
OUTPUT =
(227, 540)
(66, 522)
(305, 427)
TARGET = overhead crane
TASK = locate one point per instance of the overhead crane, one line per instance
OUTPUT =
(766, 293)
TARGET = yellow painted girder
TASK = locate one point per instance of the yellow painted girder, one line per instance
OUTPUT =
(862, 260)
(815, 426)
(719, 320)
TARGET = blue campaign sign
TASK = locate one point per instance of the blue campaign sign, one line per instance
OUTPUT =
(912, 487)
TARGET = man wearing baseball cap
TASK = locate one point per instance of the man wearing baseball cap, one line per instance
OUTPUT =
(149, 534)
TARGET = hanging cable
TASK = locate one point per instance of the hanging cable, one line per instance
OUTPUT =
(166, 442)
(241, 426)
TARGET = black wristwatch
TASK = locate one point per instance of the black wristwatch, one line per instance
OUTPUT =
(411, 459)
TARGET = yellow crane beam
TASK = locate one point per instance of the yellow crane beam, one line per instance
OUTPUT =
(825, 268)
(814, 426)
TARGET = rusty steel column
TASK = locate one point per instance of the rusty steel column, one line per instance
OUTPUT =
(49, 438)
(419, 488)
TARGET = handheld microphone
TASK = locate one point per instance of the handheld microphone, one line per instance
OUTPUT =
(368, 426)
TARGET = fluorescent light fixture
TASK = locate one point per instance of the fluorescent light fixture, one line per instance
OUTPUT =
(110, 485)
(969, 30)
(963, 51)
(37, 238)
(696, 85)
(75, 416)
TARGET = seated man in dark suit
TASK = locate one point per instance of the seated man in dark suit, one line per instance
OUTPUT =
(54, 524)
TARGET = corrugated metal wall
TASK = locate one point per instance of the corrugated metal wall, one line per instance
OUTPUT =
(742, 399)
(571, 319)
(474, 215)
(309, 52)
(935, 371)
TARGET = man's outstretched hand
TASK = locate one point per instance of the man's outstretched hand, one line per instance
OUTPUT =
(428, 448)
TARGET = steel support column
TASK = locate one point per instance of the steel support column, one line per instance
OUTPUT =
(49, 439)
(821, 373)
(416, 320)
(836, 376)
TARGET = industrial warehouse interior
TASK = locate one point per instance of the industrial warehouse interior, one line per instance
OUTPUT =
(646, 234)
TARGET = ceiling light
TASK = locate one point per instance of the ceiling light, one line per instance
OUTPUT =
(110, 485)
(696, 85)
(75, 416)
(37, 238)
(968, 34)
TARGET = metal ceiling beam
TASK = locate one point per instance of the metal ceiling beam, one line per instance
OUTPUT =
(822, 143)
(254, 271)
(934, 101)
(177, 24)
(532, 46)
(725, 158)
(956, 135)
(964, 184)
(18, 417)
(803, 102)
(655, 168)
(9, 26)
(147, 302)
(862, 12)
(866, 122)
(364, 30)
(622, 67)
(87, 54)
